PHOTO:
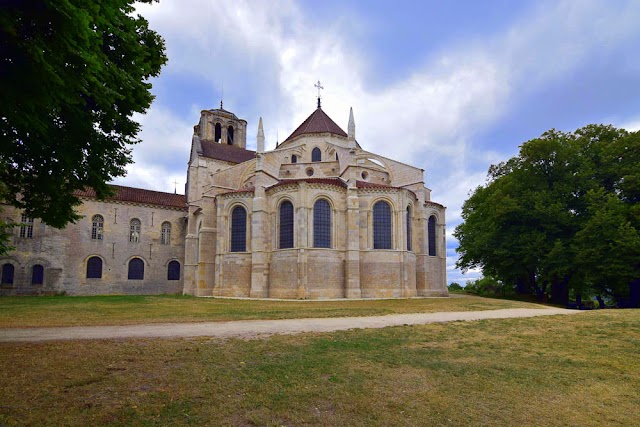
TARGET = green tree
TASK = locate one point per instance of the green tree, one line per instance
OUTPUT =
(552, 219)
(73, 74)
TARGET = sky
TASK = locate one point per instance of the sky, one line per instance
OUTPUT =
(448, 86)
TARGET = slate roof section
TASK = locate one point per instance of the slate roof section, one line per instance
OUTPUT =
(317, 122)
(227, 153)
(139, 195)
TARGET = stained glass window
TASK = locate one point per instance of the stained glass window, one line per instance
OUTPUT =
(431, 229)
(409, 237)
(286, 225)
(381, 225)
(173, 270)
(321, 224)
(94, 268)
(136, 269)
(238, 229)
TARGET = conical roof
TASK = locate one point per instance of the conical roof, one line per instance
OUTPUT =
(317, 122)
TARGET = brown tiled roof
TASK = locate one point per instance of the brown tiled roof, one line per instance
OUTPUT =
(330, 181)
(225, 152)
(365, 184)
(317, 122)
(140, 195)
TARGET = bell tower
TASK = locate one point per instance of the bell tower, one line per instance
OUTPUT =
(223, 127)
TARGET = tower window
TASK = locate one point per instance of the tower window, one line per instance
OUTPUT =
(321, 224)
(230, 135)
(26, 229)
(97, 227)
(136, 269)
(217, 136)
(7, 274)
(286, 225)
(238, 229)
(381, 225)
(173, 270)
(37, 275)
(316, 155)
(134, 230)
(431, 230)
(165, 235)
(94, 268)
(294, 158)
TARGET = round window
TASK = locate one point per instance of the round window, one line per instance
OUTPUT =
(309, 171)
(364, 175)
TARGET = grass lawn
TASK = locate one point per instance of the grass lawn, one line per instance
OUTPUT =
(127, 310)
(552, 371)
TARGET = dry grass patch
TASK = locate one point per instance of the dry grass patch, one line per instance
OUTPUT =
(127, 310)
(560, 370)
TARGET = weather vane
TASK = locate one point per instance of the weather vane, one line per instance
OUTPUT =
(319, 86)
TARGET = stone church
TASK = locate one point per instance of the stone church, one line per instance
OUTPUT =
(317, 217)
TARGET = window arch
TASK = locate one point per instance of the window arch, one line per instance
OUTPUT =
(97, 227)
(7, 274)
(431, 231)
(136, 269)
(165, 235)
(321, 224)
(94, 268)
(286, 225)
(173, 270)
(37, 275)
(409, 229)
(294, 158)
(381, 225)
(134, 230)
(230, 135)
(217, 136)
(26, 229)
(316, 155)
(238, 229)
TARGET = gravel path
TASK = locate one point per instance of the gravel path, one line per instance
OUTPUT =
(261, 328)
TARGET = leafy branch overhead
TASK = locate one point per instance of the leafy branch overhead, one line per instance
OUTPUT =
(73, 74)
(561, 217)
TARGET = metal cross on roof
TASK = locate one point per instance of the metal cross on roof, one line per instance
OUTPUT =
(319, 86)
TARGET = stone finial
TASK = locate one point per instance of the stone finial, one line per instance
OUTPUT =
(260, 137)
(351, 128)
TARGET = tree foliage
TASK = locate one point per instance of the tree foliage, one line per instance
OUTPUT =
(561, 217)
(73, 74)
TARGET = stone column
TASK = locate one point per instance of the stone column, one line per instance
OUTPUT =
(352, 264)
(259, 219)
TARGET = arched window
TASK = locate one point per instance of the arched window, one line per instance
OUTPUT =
(173, 270)
(26, 229)
(218, 133)
(165, 235)
(431, 230)
(136, 269)
(409, 228)
(94, 268)
(7, 274)
(238, 229)
(230, 135)
(294, 158)
(286, 225)
(134, 230)
(381, 225)
(97, 227)
(316, 155)
(37, 275)
(321, 224)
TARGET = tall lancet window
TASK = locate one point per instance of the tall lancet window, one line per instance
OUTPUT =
(431, 230)
(316, 155)
(238, 229)
(230, 135)
(286, 225)
(381, 225)
(217, 136)
(321, 224)
(409, 237)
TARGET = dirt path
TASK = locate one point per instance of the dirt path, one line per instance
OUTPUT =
(261, 328)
